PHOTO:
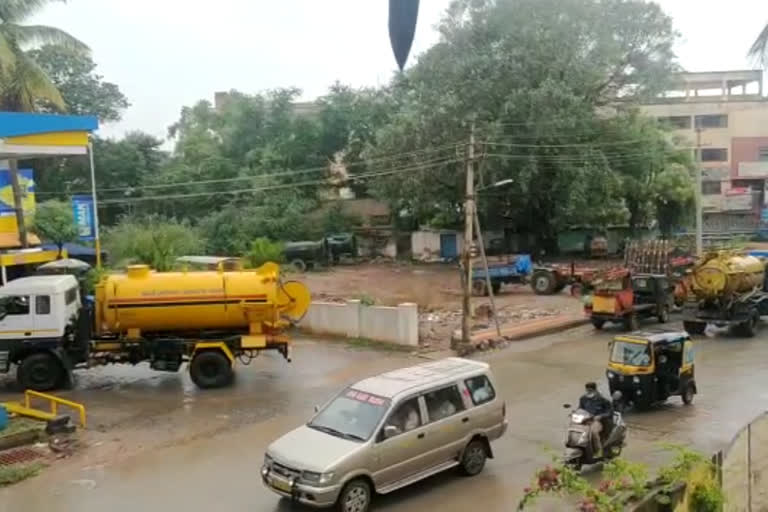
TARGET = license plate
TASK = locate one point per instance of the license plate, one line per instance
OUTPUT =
(281, 485)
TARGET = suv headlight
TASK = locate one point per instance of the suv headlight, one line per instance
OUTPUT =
(317, 478)
(636, 379)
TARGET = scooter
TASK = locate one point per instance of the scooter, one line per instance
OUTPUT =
(578, 444)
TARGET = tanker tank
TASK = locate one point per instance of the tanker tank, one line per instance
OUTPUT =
(143, 301)
(724, 274)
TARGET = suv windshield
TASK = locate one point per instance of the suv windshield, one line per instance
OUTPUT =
(634, 354)
(351, 415)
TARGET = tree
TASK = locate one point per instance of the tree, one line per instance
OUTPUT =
(759, 49)
(536, 77)
(54, 221)
(83, 90)
(673, 198)
(153, 241)
(23, 82)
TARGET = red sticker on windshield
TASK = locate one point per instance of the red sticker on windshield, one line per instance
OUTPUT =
(373, 400)
(365, 397)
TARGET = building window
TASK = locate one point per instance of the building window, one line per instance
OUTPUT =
(712, 121)
(679, 122)
(714, 154)
(762, 154)
(710, 188)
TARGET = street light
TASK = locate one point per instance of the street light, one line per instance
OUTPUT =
(501, 183)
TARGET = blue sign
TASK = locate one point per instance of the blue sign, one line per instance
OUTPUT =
(82, 207)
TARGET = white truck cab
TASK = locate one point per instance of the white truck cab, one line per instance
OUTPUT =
(35, 313)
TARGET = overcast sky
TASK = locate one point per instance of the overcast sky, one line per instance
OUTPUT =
(168, 53)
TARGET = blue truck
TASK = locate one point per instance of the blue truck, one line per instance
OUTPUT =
(520, 269)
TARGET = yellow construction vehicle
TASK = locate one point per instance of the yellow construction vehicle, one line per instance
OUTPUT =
(208, 319)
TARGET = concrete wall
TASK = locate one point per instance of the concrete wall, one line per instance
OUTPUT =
(354, 320)
(425, 244)
(745, 469)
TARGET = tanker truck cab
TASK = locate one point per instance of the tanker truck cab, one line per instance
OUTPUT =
(37, 319)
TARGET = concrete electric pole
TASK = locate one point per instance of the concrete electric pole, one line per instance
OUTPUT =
(469, 209)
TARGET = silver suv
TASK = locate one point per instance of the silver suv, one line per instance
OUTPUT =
(389, 431)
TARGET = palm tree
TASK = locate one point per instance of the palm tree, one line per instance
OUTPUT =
(22, 82)
(759, 49)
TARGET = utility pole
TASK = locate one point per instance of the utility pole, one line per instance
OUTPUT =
(18, 201)
(697, 195)
(469, 208)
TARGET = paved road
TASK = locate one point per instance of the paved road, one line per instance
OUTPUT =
(220, 470)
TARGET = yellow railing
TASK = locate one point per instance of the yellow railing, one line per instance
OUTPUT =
(55, 402)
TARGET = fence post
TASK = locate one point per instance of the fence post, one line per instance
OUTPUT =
(749, 467)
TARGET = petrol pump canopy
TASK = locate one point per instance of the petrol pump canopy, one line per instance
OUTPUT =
(25, 135)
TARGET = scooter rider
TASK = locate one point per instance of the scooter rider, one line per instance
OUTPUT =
(599, 407)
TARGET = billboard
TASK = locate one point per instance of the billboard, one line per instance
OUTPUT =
(27, 185)
(7, 211)
(82, 208)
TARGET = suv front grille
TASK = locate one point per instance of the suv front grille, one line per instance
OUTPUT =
(285, 471)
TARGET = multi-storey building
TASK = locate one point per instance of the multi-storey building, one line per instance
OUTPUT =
(728, 112)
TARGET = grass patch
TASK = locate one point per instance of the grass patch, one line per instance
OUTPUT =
(18, 472)
(381, 346)
(17, 425)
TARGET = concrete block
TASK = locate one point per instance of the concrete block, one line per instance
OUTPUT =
(408, 323)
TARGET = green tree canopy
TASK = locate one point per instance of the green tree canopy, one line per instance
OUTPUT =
(83, 90)
(54, 222)
(23, 82)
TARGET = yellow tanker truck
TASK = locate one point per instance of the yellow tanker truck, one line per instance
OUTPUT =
(208, 319)
(727, 289)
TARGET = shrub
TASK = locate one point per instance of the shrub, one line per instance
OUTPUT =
(263, 250)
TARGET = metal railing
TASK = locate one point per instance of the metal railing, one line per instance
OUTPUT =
(54, 402)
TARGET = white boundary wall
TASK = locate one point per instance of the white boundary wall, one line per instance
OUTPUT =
(354, 320)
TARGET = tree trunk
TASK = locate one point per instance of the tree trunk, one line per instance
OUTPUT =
(18, 203)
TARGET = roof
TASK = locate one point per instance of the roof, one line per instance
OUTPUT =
(39, 285)
(74, 250)
(396, 382)
(652, 336)
(14, 124)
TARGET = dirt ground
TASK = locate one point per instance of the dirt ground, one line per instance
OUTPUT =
(436, 288)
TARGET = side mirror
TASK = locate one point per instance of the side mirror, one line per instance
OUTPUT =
(566, 406)
(390, 431)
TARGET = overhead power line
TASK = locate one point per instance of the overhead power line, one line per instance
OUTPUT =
(352, 178)
(269, 175)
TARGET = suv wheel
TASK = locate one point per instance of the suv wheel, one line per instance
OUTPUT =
(355, 497)
(473, 459)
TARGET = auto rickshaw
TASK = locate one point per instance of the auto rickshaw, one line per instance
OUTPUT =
(649, 367)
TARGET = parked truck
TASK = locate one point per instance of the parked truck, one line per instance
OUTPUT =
(727, 289)
(208, 319)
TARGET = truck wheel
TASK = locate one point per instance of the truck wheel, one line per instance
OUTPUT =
(211, 369)
(479, 288)
(630, 322)
(543, 282)
(496, 287)
(694, 327)
(299, 265)
(598, 323)
(748, 329)
(40, 372)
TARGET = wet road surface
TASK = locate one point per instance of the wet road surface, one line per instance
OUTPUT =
(207, 447)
